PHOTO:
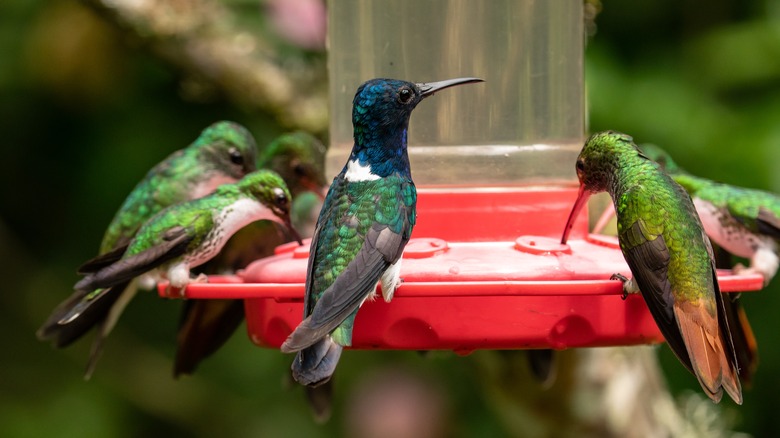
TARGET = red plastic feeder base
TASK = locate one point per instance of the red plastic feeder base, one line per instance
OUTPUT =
(469, 281)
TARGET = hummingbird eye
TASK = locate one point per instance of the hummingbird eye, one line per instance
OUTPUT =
(235, 156)
(299, 169)
(405, 95)
(280, 198)
(580, 165)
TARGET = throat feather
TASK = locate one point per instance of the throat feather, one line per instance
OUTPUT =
(357, 172)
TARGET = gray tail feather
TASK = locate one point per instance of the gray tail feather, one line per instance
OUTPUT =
(320, 399)
(315, 365)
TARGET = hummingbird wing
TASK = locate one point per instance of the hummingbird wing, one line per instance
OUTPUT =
(768, 223)
(205, 326)
(648, 258)
(103, 260)
(78, 314)
(173, 244)
(756, 210)
(350, 289)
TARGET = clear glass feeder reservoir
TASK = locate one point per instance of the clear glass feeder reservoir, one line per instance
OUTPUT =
(494, 167)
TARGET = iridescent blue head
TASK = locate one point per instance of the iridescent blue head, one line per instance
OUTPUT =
(380, 117)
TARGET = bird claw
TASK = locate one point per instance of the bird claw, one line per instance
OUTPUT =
(626, 284)
(174, 292)
(201, 278)
(740, 269)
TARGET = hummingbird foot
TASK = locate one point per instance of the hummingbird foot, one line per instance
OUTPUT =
(629, 285)
(174, 291)
(740, 269)
(201, 278)
(763, 262)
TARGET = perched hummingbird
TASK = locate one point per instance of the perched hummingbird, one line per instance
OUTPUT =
(224, 152)
(670, 257)
(181, 237)
(741, 221)
(363, 227)
(207, 324)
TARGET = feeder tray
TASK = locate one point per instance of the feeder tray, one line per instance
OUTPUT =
(484, 270)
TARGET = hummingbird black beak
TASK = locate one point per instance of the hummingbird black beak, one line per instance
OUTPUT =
(429, 88)
(293, 232)
(582, 199)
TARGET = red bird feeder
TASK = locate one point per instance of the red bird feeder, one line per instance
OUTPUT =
(495, 174)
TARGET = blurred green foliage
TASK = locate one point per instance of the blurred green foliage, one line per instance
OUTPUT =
(84, 113)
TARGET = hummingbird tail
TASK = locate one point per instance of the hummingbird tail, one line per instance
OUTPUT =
(205, 327)
(544, 365)
(745, 344)
(315, 365)
(707, 349)
(320, 399)
(77, 315)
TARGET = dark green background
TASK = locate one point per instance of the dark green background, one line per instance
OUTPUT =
(84, 114)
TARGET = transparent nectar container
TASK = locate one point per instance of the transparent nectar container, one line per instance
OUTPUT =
(523, 127)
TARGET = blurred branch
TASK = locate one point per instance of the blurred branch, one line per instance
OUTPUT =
(603, 392)
(203, 40)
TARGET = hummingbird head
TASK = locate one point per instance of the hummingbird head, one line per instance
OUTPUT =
(228, 148)
(268, 188)
(600, 158)
(299, 158)
(380, 117)
(596, 166)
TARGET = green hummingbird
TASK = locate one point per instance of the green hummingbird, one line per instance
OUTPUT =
(224, 152)
(183, 236)
(363, 227)
(744, 222)
(670, 256)
(206, 325)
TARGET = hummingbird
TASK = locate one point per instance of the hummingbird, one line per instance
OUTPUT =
(224, 152)
(181, 237)
(670, 256)
(745, 222)
(741, 221)
(365, 222)
(205, 325)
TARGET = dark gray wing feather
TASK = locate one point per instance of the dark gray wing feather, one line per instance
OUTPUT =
(649, 261)
(103, 260)
(381, 249)
(174, 245)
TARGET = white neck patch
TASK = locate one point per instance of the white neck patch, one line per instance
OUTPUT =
(356, 172)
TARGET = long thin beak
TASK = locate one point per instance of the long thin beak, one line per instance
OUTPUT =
(429, 88)
(293, 232)
(582, 199)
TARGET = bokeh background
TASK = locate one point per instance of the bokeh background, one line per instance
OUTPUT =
(88, 106)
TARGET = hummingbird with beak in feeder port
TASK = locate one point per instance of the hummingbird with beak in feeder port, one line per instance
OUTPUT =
(182, 237)
(363, 227)
(670, 256)
(205, 325)
(223, 153)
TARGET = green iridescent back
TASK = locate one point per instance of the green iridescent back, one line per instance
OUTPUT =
(354, 208)
(198, 215)
(174, 179)
(648, 200)
(742, 203)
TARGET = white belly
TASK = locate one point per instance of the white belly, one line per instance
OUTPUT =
(726, 232)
